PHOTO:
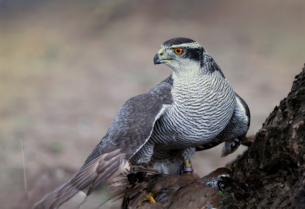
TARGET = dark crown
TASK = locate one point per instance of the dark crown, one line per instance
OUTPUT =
(176, 41)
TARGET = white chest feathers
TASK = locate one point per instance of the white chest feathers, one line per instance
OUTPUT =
(203, 105)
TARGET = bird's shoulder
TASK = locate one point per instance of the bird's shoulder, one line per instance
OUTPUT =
(135, 120)
(157, 96)
(163, 90)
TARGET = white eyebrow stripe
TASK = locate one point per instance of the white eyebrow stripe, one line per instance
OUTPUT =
(189, 45)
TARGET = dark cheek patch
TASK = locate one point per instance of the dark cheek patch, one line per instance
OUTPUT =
(193, 54)
(210, 64)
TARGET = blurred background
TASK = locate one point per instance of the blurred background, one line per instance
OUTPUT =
(66, 67)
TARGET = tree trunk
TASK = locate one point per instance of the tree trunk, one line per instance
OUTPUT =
(271, 173)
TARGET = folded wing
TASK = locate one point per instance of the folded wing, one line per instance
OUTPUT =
(128, 132)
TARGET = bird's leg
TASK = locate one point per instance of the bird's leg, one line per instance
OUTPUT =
(188, 167)
(149, 197)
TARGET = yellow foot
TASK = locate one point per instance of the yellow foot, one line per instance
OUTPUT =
(188, 167)
(149, 197)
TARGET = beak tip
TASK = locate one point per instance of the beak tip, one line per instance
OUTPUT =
(156, 59)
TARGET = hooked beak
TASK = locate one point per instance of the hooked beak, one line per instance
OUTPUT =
(157, 60)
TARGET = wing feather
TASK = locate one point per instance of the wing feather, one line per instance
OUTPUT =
(128, 132)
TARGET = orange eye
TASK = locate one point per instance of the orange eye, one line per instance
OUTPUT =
(178, 50)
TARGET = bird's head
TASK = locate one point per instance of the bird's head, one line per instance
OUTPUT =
(180, 54)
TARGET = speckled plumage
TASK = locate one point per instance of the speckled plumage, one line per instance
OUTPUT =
(195, 108)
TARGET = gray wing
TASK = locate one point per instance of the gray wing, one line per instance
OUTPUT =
(128, 132)
(236, 129)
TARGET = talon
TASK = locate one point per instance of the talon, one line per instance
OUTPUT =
(149, 197)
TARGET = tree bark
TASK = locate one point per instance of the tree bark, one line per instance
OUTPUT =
(271, 173)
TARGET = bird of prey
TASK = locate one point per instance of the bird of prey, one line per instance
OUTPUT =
(194, 109)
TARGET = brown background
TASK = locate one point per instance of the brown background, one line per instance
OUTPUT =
(67, 66)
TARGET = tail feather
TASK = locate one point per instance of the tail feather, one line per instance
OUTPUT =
(134, 202)
(104, 176)
(92, 174)
(132, 194)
